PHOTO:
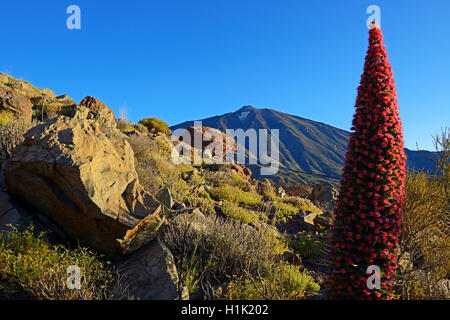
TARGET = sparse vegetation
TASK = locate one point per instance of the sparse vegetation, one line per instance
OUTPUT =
(234, 212)
(155, 125)
(231, 252)
(11, 133)
(29, 262)
(279, 282)
(308, 246)
(227, 192)
(425, 239)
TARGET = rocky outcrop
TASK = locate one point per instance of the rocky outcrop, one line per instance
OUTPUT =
(165, 197)
(242, 170)
(324, 193)
(206, 137)
(15, 103)
(80, 173)
(150, 273)
(93, 104)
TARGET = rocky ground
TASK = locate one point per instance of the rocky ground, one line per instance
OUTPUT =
(76, 175)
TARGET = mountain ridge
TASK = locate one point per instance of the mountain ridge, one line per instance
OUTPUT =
(310, 151)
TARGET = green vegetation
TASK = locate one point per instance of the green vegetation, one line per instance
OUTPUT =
(425, 239)
(280, 282)
(227, 192)
(11, 133)
(6, 117)
(234, 212)
(29, 262)
(155, 125)
(308, 246)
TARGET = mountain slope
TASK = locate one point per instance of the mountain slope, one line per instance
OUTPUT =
(310, 151)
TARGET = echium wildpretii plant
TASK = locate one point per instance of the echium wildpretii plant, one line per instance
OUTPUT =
(369, 208)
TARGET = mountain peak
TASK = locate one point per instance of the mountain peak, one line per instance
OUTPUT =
(243, 112)
(246, 108)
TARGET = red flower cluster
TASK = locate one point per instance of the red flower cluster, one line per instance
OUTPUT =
(368, 215)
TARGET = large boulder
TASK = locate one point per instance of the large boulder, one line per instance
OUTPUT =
(206, 148)
(80, 173)
(150, 273)
(93, 104)
(15, 103)
(325, 193)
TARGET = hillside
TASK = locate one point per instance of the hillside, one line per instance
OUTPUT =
(310, 151)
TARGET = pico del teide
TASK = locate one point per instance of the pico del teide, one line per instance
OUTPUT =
(369, 208)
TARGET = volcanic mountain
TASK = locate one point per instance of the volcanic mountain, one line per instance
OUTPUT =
(310, 151)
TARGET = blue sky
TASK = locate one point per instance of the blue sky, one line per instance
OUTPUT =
(181, 60)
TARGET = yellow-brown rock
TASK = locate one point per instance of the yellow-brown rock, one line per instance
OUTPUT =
(80, 173)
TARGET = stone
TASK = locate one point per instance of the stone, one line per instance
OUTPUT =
(324, 192)
(324, 220)
(9, 216)
(206, 145)
(79, 171)
(309, 218)
(150, 273)
(165, 197)
(242, 170)
(15, 103)
(191, 217)
(93, 104)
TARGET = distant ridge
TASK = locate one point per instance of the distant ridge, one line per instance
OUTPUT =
(310, 151)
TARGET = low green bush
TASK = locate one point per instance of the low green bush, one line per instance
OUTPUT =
(234, 212)
(155, 125)
(31, 263)
(227, 192)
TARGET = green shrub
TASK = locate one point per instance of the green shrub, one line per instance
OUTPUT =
(125, 126)
(234, 212)
(155, 125)
(278, 282)
(425, 238)
(302, 204)
(140, 128)
(284, 211)
(201, 201)
(155, 168)
(13, 83)
(31, 263)
(308, 246)
(227, 192)
(223, 248)
(7, 117)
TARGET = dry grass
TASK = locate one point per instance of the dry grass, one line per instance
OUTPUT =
(221, 249)
(28, 262)
(11, 134)
(425, 238)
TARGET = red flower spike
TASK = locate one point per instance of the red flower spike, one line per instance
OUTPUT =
(372, 185)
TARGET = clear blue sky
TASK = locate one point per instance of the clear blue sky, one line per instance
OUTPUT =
(182, 60)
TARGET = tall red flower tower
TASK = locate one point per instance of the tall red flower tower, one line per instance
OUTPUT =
(369, 208)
